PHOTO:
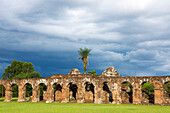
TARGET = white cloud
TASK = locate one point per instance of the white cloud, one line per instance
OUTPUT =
(155, 43)
(132, 34)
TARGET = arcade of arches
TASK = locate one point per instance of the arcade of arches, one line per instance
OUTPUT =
(84, 88)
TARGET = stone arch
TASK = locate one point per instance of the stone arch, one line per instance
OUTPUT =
(107, 95)
(89, 92)
(87, 80)
(28, 90)
(71, 81)
(3, 84)
(166, 87)
(41, 81)
(147, 97)
(72, 87)
(166, 93)
(57, 92)
(14, 82)
(58, 81)
(42, 92)
(126, 92)
(28, 82)
(14, 91)
(167, 79)
(127, 80)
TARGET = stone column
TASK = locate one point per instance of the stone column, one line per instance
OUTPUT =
(35, 97)
(65, 94)
(80, 98)
(21, 93)
(114, 93)
(98, 93)
(118, 94)
(158, 96)
(96, 101)
(49, 94)
(8, 94)
(137, 94)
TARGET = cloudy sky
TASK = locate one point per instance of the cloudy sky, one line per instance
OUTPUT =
(131, 35)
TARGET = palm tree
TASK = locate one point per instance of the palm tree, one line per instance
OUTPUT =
(84, 53)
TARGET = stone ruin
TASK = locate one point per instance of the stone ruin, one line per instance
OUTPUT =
(111, 71)
(85, 88)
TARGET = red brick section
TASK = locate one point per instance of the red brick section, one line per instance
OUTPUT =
(107, 88)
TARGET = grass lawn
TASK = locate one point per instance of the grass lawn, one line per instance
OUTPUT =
(28, 107)
(13, 99)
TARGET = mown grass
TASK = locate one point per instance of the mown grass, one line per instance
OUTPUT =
(13, 99)
(28, 107)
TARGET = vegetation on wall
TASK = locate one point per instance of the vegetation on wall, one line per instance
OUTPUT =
(148, 88)
(130, 86)
(167, 87)
(93, 72)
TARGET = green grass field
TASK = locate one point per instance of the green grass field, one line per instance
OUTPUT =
(13, 99)
(28, 107)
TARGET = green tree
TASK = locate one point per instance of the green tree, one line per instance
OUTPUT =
(93, 72)
(20, 70)
(28, 90)
(84, 53)
(43, 88)
(148, 88)
(129, 85)
(167, 87)
(15, 90)
(2, 91)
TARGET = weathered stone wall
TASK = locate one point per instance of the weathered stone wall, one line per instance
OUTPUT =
(112, 93)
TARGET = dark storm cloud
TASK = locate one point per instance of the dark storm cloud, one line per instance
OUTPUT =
(131, 35)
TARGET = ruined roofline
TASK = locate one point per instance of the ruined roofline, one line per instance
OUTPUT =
(110, 72)
(88, 76)
(81, 75)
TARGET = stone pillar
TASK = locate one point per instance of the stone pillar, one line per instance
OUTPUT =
(80, 98)
(35, 97)
(115, 93)
(158, 96)
(137, 94)
(21, 93)
(98, 93)
(8, 94)
(65, 94)
(118, 94)
(49, 94)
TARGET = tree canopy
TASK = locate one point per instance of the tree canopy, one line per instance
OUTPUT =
(148, 88)
(19, 69)
(167, 87)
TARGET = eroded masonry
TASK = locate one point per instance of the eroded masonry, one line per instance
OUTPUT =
(83, 88)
